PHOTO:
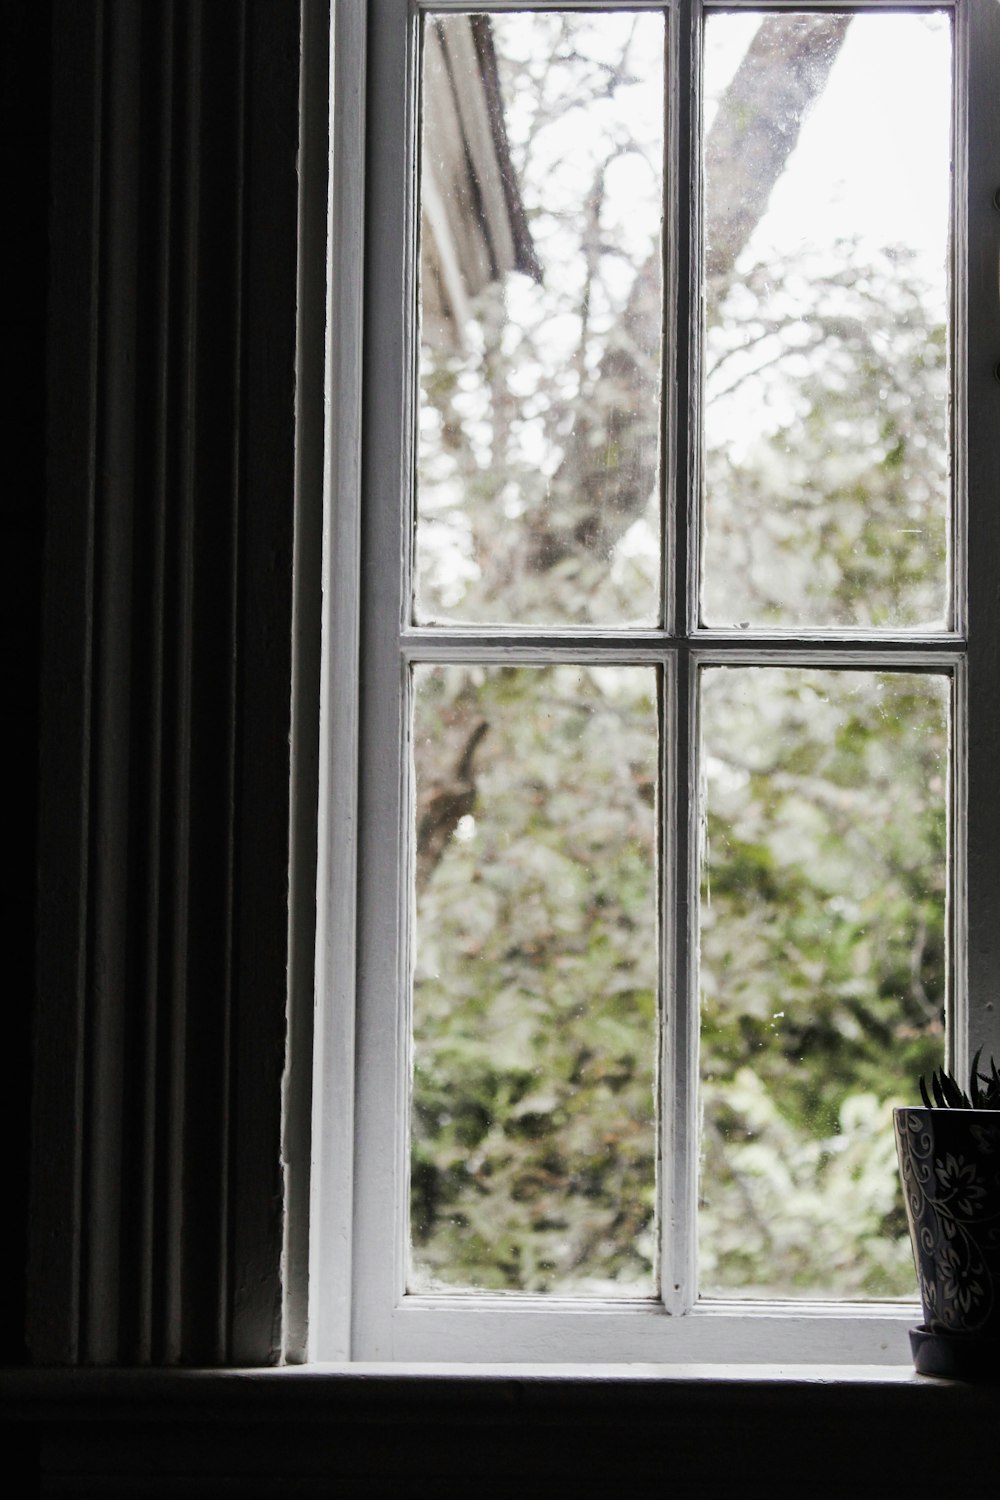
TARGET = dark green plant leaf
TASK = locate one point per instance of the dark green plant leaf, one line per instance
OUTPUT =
(984, 1089)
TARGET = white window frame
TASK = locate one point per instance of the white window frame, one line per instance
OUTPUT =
(358, 1305)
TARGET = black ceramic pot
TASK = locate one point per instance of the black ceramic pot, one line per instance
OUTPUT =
(949, 1160)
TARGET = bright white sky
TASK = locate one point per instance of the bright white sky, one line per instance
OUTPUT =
(873, 156)
(872, 164)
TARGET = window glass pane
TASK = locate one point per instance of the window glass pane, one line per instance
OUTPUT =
(540, 318)
(823, 970)
(533, 1161)
(826, 438)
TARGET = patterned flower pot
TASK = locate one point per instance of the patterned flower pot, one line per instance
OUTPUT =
(949, 1160)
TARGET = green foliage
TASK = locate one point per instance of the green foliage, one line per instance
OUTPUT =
(538, 991)
(535, 1018)
(822, 958)
(788, 1210)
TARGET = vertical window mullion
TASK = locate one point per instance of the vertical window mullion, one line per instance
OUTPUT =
(331, 1270)
(957, 1010)
(685, 190)
(957, 1013)
(383, 733)
(978, 372)
(679, 1090)
(679, 1126)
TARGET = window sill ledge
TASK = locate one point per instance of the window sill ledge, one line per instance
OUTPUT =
(457, 1430)
(314, 1389)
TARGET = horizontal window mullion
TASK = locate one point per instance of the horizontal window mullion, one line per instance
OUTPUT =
(523, 649)
(844, 6)
(875, 654)
(499, 6)
(940, 651)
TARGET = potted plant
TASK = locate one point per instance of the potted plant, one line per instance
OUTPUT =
(949, 1161)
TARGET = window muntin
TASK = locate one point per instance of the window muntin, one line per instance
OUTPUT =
(710, 1331)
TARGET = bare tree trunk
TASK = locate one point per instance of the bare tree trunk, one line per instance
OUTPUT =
(757, 127)
(610, 469)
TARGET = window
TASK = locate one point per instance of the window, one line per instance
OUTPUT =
(660, 684)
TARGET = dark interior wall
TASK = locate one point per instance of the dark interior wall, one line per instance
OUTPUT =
(297, 1433)
(155, 1233)
(25, 133)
